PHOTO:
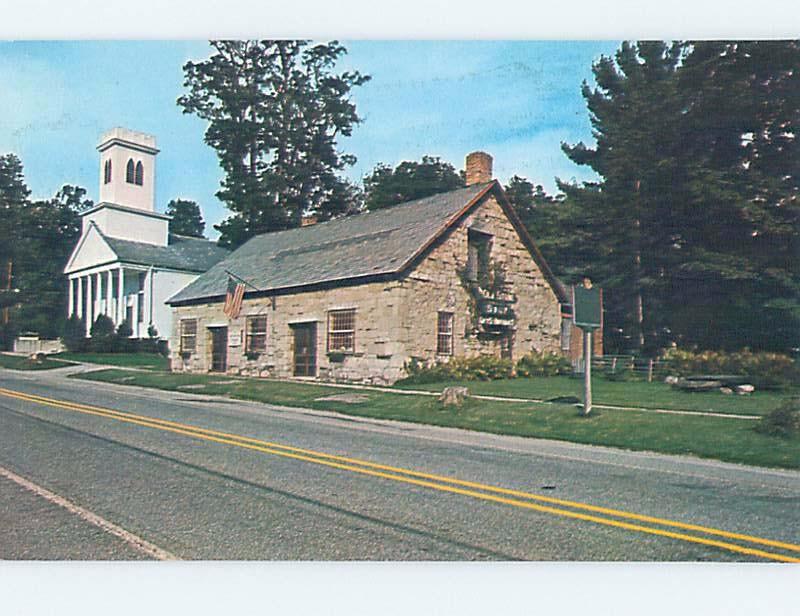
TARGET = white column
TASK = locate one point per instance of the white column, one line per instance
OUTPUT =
(121, 296)
(135, 324)
(89, 304)
(109, 284)
(98, 301)
(70, 297)
(79, 289)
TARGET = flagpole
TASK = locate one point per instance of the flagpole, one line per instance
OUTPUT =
(243, 280)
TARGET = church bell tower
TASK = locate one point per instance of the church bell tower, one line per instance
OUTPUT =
(128, 169)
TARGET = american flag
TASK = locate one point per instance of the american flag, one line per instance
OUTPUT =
(233, 298)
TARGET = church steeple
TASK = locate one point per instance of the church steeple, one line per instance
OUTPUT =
(128, 169)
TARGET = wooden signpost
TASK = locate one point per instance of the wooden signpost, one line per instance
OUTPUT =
(587, 314)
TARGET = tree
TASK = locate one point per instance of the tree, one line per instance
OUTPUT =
(628, 215)
(48, 231)
(13, 198)
(275, 110)
(44, 232)
(186, 218)
(692, 226)
(409, 180)
(552, 221)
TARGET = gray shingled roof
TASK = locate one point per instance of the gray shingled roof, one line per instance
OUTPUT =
(373, 243)
(182, 253)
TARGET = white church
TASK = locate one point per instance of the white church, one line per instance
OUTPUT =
(126, 263)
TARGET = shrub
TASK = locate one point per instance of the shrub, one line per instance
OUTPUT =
(102, 335)
(74, 335)
(124, 344)
(482, 368)
(543, 364)
(764, 370)
(783, 421)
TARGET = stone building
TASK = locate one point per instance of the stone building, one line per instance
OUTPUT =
(126, 262)
(354, 299)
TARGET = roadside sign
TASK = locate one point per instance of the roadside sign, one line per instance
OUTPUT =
(587, 305)
(587, 313)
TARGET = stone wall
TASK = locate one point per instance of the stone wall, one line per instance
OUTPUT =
(395, 320)
(378, 355)
(436, 286)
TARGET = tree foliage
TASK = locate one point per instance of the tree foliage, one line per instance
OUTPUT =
(275, 109)
(409, 180)
(186, 218)
(45, 233)
(692, 226)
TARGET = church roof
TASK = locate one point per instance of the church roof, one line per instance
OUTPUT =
(366, 246)
(181, 253)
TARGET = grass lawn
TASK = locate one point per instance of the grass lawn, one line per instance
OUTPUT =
(634, 393)
(17, 362)
(151, 361)
(732, 440)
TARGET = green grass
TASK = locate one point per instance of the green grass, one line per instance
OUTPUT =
(151, 361)
(16, 362)
(732, 440)
(633, 393)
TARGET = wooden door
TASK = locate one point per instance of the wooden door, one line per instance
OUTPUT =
(305, 349)
(219, 349)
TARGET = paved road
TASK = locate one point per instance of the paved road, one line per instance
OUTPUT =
(237, 480)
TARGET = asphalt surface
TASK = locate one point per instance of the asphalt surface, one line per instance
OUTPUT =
(198, 498)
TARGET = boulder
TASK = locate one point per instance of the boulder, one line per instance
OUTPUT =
(453, 396)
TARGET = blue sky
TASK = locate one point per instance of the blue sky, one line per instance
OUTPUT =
(516, 100)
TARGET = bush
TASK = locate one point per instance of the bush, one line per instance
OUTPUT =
(74, 335)
(783, 421)
(124, 344)
(102, 335)
(482, 368)
(543, 364)
(764, 370)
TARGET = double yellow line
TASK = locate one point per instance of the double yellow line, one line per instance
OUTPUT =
(525, 500)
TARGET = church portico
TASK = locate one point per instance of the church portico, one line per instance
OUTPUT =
(114, 290)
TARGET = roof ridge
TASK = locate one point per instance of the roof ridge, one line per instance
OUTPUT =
(360, 215)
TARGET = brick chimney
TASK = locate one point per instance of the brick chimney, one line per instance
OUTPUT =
(479, 168)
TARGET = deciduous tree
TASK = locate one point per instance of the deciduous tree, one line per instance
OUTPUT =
(409, 180)
(276, 109)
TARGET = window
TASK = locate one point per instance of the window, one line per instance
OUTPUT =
(256, 335)
(107, 172)
(444, 333)
(479, 249)
(566, 332)
(342, 330)
(129, 172)
(139, 174)
(188, 335)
